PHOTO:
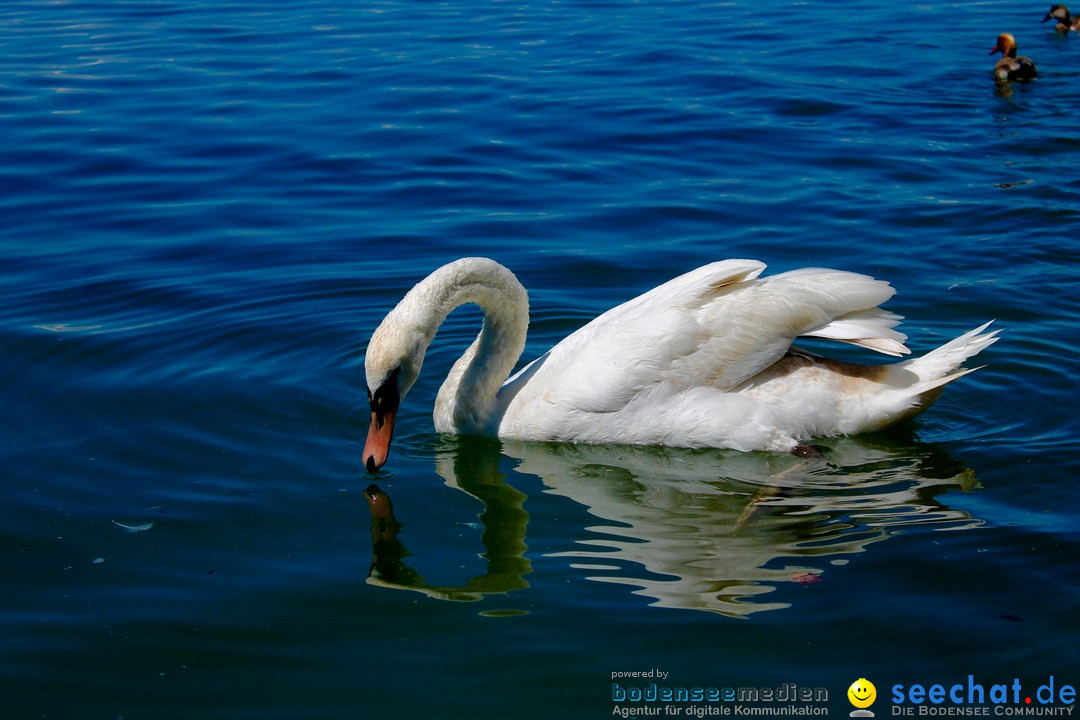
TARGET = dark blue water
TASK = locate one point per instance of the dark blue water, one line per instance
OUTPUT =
(207, 208)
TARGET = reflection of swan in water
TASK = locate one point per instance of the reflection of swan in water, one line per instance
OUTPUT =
(714, 535)
(503, 537)
(706, 529)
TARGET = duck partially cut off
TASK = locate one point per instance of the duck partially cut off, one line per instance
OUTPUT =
(1065, 21)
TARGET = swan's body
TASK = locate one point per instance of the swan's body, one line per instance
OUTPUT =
(1065, 22)
(1011, 66)
(704, 360)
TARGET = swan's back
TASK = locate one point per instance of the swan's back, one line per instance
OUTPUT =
(669, 366)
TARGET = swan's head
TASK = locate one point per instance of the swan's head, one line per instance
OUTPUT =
(396, 351)
(391, 366)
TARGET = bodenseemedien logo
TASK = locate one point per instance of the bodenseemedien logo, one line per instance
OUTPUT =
(862, 694)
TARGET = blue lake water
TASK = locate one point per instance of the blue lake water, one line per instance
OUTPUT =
(208, 207)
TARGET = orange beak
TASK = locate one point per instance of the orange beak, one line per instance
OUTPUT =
(380, 433)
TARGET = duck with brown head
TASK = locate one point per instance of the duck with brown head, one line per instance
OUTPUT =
(1011, 66)
(1065, 22)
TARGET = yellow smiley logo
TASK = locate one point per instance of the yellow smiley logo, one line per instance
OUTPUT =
(862, 693)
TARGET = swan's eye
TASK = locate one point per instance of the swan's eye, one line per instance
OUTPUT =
(386, 397)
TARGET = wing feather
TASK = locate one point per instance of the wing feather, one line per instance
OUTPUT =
(716, 326)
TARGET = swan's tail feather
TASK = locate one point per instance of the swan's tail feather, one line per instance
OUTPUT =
(941, 366)
(918, 382)
(934, 386)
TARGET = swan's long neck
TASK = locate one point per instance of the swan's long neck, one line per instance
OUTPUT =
(466, 400)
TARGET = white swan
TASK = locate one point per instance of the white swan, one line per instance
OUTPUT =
(704, 360)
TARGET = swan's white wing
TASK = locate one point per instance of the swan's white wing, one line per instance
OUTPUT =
(715, 327)
(636, 345)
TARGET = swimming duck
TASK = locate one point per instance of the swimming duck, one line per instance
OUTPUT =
(1011, 67)
(703, 360)
(1065, 22)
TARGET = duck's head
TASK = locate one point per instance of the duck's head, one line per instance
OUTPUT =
(1059, 13)
(1006, 45)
